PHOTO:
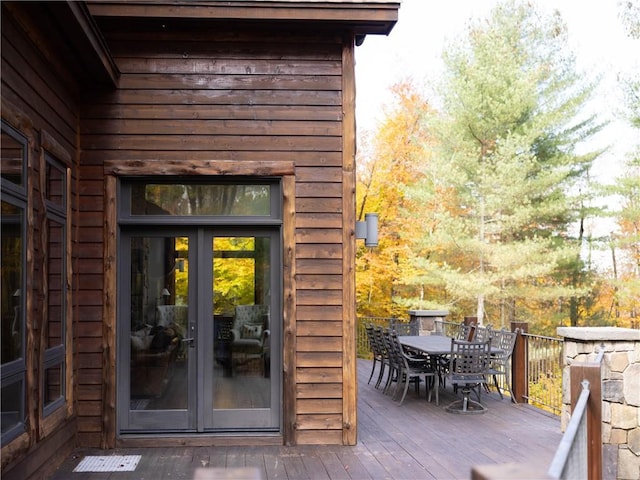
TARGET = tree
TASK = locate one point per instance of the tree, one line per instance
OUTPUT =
(505, 155)
(625, 246)
(386, 164)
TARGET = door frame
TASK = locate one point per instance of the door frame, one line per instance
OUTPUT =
(199, 415)
(117, 169)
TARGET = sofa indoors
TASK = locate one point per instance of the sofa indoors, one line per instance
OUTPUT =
(153, 355)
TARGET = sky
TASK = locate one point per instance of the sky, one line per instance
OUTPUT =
(413, 50)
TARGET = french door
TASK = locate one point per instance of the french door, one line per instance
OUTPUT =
(199, 329)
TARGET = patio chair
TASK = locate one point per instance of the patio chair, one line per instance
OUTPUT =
(393, 359)
(378, 337)
(466, 331)
(483, 334)
(414, 368)
(375, 350)
(468, 368)
(504, 341)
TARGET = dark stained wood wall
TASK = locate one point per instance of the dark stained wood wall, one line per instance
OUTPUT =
(239, 97)
(41, 103)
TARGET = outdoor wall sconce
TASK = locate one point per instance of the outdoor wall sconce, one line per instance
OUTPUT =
(368, 230)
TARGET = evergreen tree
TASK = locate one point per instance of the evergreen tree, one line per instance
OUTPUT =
(507, 131)
(625, 246)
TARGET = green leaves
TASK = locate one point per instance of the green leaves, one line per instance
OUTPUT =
(506, 141)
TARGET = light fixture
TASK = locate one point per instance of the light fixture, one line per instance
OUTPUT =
(368, 230)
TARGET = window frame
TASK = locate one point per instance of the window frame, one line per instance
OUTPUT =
(53, 156)
(125, 188)
(15, 371)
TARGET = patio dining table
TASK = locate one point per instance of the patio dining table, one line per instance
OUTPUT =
(433, 344)
(429, 344)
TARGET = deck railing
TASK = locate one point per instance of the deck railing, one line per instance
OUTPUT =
(579, 454)
(362, 344)
(536, 366)
(544, 372)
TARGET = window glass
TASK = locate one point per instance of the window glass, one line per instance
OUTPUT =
(12, 405)
(53, 384)
(13, 156)
(55, 284)
(11, 281)
(56, 260)
(56, 183)
(194, 199)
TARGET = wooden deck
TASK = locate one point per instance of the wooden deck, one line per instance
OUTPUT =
(417, 440)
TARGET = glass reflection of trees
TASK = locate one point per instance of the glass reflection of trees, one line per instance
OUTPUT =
(197, 199)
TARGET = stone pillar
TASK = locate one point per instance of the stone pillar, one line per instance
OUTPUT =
(426, 319)
(620, 392)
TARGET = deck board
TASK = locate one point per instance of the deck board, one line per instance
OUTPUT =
(416, 440)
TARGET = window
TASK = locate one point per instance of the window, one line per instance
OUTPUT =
(13, 281)
(53, 388)
(236, 201)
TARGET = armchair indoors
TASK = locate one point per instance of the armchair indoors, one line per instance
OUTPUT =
(168, 315)
(250, 335)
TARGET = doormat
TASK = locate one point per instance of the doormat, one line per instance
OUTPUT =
(112, 463)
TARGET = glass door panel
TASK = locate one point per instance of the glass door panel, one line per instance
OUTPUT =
(161, 335)
(198, 349)
(241, 378)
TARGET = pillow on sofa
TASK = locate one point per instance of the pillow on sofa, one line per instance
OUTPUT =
(251, 331)
(162, 339)
(140, 342)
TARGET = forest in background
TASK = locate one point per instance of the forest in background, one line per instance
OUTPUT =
(484, 193)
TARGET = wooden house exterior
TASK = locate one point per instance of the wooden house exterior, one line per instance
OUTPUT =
(189, 158)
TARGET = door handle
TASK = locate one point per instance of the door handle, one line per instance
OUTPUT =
(190, 340)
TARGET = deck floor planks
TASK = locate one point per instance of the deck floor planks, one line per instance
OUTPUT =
(415, 440)
(316, 467)
(294, 466)
(353, 465)
(274, 467)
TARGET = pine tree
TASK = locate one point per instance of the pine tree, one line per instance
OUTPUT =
(507, 131)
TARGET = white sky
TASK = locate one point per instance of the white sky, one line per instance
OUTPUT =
(414, 47)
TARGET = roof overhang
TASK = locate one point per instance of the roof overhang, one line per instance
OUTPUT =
(358, 17)
(66, 30)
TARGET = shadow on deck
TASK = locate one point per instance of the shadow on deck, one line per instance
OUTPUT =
(417, 440)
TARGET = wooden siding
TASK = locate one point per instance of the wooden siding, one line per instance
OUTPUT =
(255, 101)
(41, 106)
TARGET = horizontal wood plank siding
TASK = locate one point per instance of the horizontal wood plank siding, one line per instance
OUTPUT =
(43, 108)
(242, 98)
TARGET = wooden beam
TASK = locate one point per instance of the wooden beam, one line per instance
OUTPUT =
(591, 372)
(349, 377)
(361, 17)
(519, 364)
(108, 439)
(289, 309)
(201, 167)
(94, 49)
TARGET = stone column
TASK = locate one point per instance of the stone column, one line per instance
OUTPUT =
(620, 392)
(426, 319)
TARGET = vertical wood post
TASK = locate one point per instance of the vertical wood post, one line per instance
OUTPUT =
(473, 322)
(591, 373)
(520, 364)
(349, 320)
(109, 327)
(289, 310)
